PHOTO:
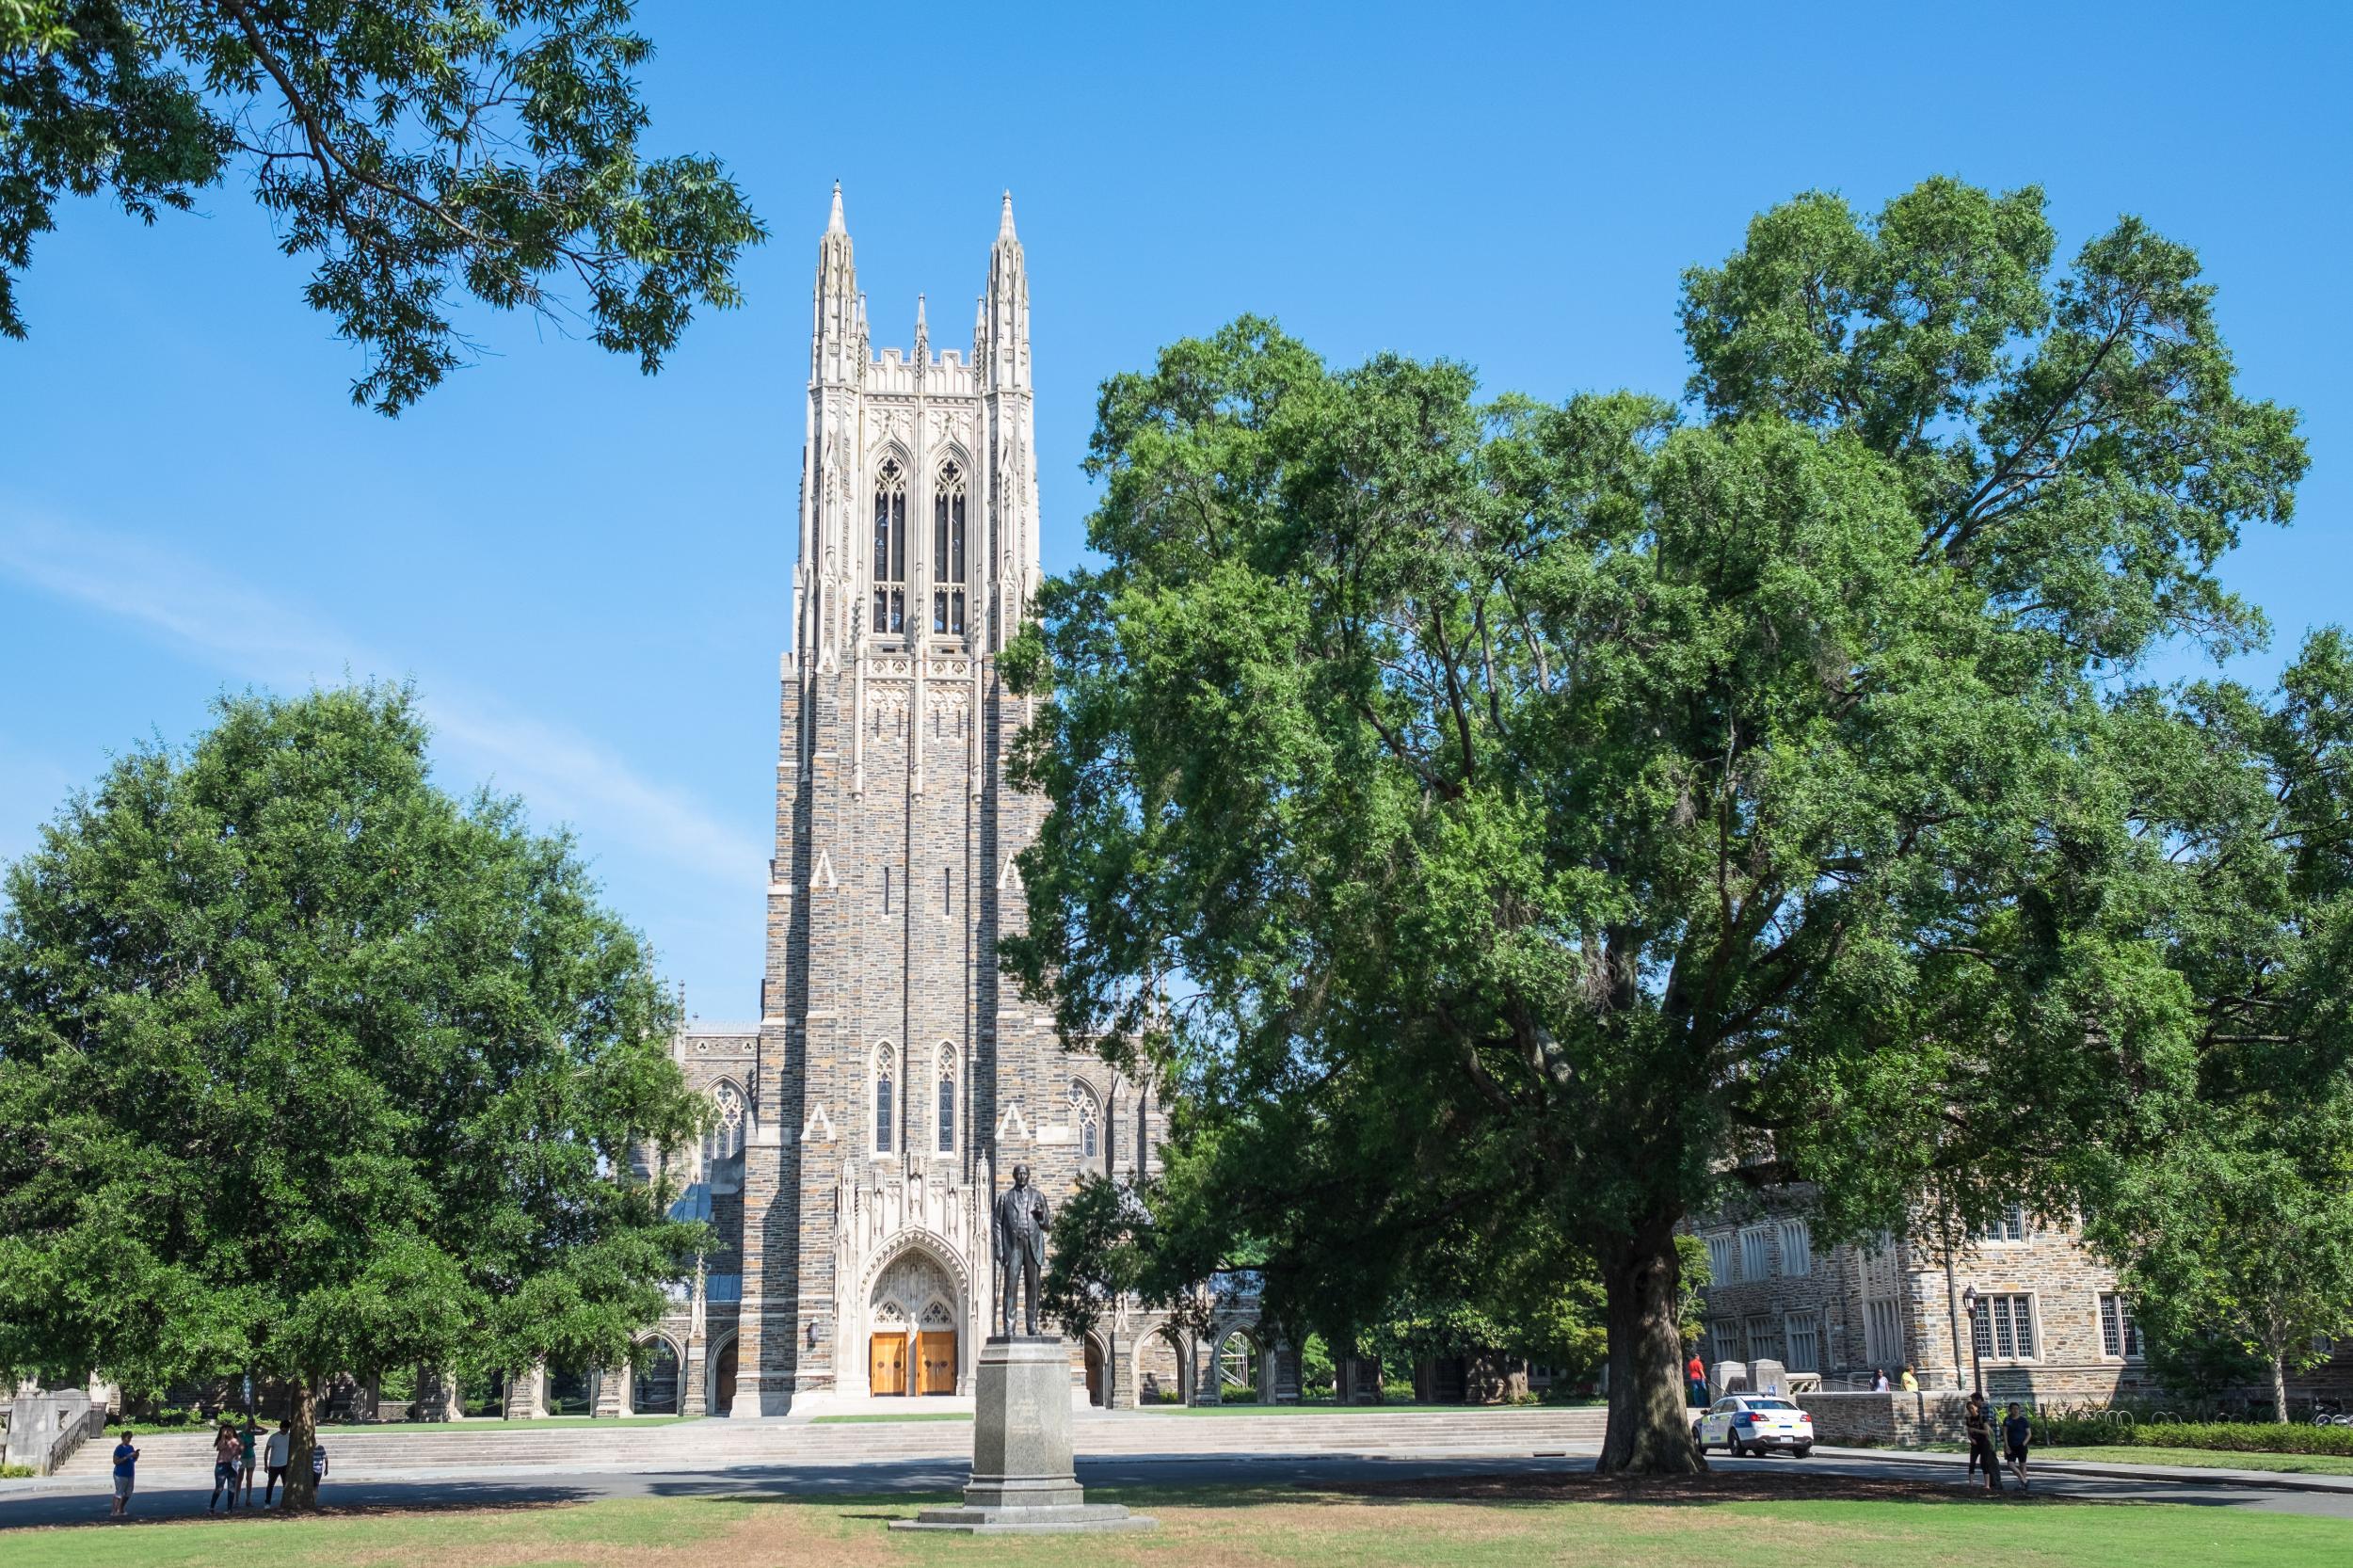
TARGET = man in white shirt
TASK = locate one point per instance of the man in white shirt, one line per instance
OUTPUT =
(274, 1454)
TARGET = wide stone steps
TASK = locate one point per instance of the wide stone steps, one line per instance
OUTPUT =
(184, 1458)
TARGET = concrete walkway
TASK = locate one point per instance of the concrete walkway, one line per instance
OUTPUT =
(2182, 1474)
(388, 1452)
(1208, 1452)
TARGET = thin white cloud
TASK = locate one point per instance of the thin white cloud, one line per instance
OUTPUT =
(253, 636)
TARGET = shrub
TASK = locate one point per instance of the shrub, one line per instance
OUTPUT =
(2267, 1437)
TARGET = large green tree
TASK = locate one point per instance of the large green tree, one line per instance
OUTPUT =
(1580, 809)
(2238, 1224)
(418, 151)
(307, 1067)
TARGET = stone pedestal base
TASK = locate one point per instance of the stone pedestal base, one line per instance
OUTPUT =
(1022, 1481)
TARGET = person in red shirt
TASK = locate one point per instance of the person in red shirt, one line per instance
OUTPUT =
(1697, 1374)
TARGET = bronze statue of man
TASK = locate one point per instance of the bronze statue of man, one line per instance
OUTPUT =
(1019, 1236)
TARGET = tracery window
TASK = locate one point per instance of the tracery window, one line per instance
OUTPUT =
(948, 551)
(1087, 1118)
(890, 548)
(726, 1138)
(884, 1070)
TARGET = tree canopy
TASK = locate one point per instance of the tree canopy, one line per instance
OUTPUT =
(2238, 1224)
(307, 1067)
(417, 152)
(1580, 812)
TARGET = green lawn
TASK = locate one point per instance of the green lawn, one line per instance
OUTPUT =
(1266, 1526)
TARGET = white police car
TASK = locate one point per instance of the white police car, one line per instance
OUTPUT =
(1754, 1423)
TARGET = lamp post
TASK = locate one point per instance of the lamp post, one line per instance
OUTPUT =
(1969, 1304)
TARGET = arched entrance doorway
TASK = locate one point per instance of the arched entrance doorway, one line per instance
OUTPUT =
(1161, 1375)
(1239, 1368)
(911, 1342)
(723, 1383)
(654, 1390)
(1095, 1371)
(570, 1391)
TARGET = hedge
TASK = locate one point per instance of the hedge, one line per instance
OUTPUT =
(2260, 1437)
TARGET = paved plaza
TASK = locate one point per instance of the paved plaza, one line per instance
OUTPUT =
(392, 1469)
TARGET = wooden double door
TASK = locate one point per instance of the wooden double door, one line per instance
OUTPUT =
(933, 1369)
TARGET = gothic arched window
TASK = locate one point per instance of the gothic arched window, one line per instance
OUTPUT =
(1087, 1118)
(725, 1137)
(945, 1106)
(948, 551)
(890, 548)
(885, 1069)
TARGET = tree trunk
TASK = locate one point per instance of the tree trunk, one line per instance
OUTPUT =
(2279, 1387)
(1650, 1425)
(302, 1492)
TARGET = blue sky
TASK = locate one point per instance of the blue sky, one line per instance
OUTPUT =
(586, 572)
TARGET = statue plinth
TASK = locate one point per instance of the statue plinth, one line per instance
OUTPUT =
(1023, 1479)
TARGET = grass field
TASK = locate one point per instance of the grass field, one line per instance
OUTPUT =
(1571, 1520)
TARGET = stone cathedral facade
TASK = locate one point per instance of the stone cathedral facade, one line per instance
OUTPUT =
(895, 1078)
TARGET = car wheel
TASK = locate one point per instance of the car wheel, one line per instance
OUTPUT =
(1803, 1451)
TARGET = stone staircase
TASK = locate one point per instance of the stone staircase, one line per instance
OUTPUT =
(392, 1453)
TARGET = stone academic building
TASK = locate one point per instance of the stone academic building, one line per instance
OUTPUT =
(2051, 1323)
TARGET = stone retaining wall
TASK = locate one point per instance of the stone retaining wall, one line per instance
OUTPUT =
(1886, 1420)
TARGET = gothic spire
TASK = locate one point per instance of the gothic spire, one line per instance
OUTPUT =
(834, 347)
(1005, 309)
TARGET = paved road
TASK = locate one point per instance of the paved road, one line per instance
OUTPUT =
(26, 1504)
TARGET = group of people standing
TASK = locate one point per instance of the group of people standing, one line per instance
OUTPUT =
(2016, 1429)
(237, 1453)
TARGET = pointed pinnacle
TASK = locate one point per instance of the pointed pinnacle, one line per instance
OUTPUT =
(833, 224)
(1004, 219)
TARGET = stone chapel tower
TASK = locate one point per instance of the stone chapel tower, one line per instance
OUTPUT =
(898, 1079)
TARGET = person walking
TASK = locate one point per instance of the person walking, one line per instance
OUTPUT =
(1695, 1373)
(1878, 1380)
(318, 1463)
(1977, 1422)
(1906, 1382)
(2016, 1431)
(274, 1454)
(126, 1474)
(224, 1468)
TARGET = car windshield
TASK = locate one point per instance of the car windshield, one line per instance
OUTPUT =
(1770, 1404)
